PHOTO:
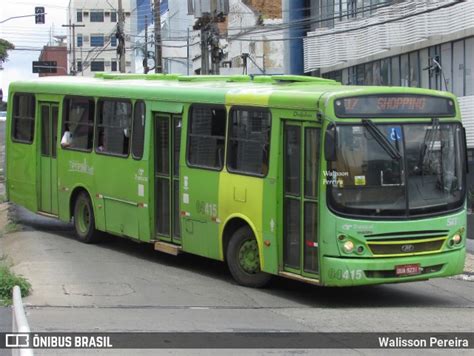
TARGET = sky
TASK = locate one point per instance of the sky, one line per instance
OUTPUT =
(28, 37)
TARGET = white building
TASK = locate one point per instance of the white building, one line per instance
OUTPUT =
(95, 23)
(254, 31)
(428, 44)
(176, 36)
(251, 27)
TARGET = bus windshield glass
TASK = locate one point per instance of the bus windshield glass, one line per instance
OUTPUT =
(424, 177)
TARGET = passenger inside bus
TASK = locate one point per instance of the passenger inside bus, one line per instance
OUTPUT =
(67, 137)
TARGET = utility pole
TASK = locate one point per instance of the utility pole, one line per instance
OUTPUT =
(216, 52)
(73, 26)
(187, 54)
(121, 37)
(205, 45)
(158, 56)
(145, 60)
(207, 24)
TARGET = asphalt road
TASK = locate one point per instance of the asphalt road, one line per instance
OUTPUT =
(121, 285)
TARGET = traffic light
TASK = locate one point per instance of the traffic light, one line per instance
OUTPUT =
(39, 15)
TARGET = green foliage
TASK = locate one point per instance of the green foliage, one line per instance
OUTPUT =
(12, 227)
(5, 46)
(8, 280)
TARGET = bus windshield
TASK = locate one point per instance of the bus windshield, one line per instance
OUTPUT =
(427, 176)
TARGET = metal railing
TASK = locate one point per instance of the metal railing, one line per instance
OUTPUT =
(19, 321)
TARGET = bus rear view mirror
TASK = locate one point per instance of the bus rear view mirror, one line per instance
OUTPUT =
(330, 141)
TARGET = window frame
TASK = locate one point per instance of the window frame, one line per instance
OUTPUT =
(228, 139)
(96, 12)
(96, 128)
(79, 40)
(95, 36)
(136, 158)
(188, 137)
(80, 15)
(97, 61)
(63, 123)
(13, 138)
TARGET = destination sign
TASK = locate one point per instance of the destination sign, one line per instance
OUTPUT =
(398, 105)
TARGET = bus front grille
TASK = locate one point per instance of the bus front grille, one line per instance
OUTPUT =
(406, 247)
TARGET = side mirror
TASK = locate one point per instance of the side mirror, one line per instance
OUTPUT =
(330, 143)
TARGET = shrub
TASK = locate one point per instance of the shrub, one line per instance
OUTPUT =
(7, 281)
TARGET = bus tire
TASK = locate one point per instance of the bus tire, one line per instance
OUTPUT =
(84, 221)
(243, 259)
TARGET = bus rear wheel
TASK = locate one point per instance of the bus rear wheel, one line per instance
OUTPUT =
(244, 261)
(84, 222)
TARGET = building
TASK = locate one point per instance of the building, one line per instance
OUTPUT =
(56, 54)
(93, 36)
(176, 36)
(428, 44)
(253, 30)
(243, 35)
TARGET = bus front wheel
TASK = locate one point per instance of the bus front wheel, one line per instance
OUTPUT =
(243, 259)
(84, 222)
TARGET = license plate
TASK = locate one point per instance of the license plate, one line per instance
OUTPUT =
(407, 270)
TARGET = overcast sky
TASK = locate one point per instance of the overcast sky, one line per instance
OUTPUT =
(25, 34)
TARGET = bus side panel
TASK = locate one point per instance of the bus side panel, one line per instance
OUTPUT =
(271, 198)
(199, 230)
(243, 196)
(21, 166)
(75, 170)
(115, 182)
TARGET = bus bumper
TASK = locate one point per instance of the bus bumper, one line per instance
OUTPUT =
(344, 272)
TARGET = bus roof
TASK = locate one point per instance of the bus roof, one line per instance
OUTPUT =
(283, 91)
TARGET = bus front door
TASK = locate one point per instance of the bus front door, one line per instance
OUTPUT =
(301, 153)
(167, 136)
(48, 164)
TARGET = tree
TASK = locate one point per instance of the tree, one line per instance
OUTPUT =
(5, 46)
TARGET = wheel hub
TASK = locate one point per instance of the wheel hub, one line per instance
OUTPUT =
(249, 257)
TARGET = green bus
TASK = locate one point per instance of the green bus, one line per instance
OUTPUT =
(294, 176)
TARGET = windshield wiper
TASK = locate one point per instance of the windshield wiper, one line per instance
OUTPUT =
(381, 139)
(429, 141)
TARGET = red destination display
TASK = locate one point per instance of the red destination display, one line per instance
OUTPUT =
(394, 106)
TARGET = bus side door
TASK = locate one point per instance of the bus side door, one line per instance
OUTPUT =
(48, 172)
(301, 156)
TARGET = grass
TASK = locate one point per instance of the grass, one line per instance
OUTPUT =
(8, 280)
(3, 198)
(11, 227)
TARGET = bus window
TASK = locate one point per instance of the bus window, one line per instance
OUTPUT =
(138, 130)
(23, 118)
(206, 137)
(113, 127)
(249, 141)
(79, 121)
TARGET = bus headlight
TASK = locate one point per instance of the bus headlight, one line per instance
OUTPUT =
(457, 239)
(348, 246)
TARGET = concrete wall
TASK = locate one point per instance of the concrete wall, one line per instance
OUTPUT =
(244, 37)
